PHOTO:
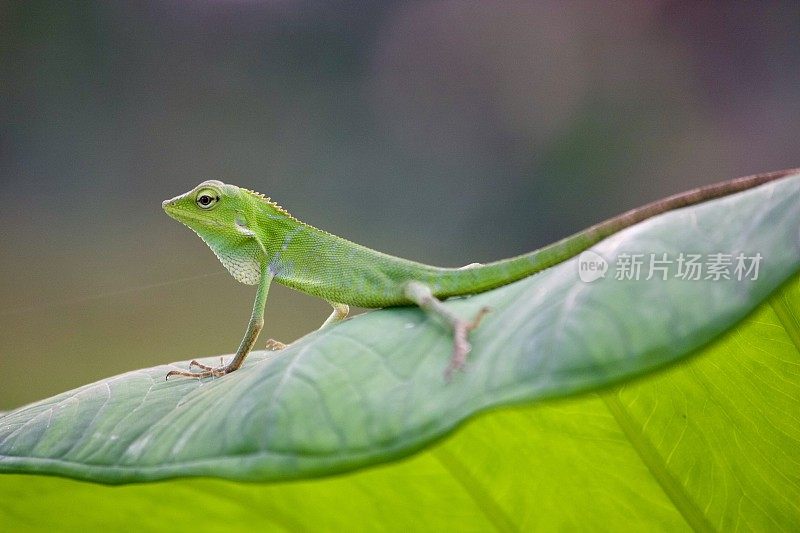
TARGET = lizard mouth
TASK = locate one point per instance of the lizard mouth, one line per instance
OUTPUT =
(184, 216)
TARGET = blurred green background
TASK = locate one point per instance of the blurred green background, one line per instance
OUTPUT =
(445, 132)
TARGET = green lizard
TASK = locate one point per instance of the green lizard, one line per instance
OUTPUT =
(258, 242)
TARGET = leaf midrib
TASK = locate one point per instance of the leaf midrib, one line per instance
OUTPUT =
(656, 464)
(490, 508)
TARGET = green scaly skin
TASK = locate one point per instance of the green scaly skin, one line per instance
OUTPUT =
(258, 241)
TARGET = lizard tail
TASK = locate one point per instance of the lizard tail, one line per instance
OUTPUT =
(474, 279)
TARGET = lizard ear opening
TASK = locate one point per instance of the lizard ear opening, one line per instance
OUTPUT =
(241, 227)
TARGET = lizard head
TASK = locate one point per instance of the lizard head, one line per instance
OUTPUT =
(218, 213)
(208, 208)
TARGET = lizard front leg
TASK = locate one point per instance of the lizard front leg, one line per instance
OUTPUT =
(421, 294)
(250, 336)
(340, 312)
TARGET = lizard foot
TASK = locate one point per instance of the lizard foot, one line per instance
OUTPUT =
(207, 371)
(461, 346)
(274, 345)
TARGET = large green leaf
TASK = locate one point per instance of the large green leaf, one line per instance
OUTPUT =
(710, 443)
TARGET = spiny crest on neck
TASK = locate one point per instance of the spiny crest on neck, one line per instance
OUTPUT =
(281, 210)
(272, 203)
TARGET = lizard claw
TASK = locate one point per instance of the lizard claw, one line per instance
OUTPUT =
(205, 367)
(207, 371)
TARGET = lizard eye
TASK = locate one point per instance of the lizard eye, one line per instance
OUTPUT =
(206, 199)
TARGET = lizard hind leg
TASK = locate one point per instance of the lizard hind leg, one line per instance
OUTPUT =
(340, 312)
(421, 294)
